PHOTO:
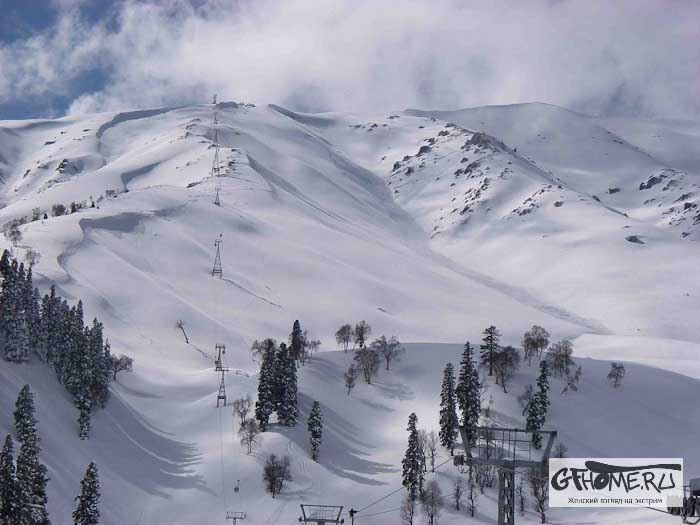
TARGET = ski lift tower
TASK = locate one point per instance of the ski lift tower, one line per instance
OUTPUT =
(507, 449)
(321, 514)
(217, 270)
(221, 396)
(220, 349)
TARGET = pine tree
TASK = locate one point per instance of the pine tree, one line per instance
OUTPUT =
(88, 512)
(84, 422)
(17, 339)
(100, 363)
(15, 326)
(30, 473)
(30, 299)
(9, 491)
(537, 410)
(449, 424)
(296, 341)
(413, 474)
(315, 428)
(468, 397)
(287, 408)
(265, 405)
(489, 347)
(6, 304)
(5, 262)
(25, 420)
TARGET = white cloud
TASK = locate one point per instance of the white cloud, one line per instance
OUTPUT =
(595, 56)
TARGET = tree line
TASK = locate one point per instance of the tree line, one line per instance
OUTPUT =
(23, 480)
(49, 328)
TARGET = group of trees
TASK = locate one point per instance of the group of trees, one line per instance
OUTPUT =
(461, 404)
(502, 362)
(277, 385)
(23, 481)
(357, 335)
(616, 374)
(300, 344)
(56, 333)
(11, 229)
(366, 359)
(460, 400)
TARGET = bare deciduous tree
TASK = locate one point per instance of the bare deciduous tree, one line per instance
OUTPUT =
(368, 361)
(390, 349)
(32, 257)
(275, 473)
(308, 347)
(525, 398)
(572, 381)
(616, 374)
(351, 378)
(432, 501)
(180, 324)
(458, 491)
(423, 448)
(537, 478)
(250, 436)
(432, 443)
(408, 510)
(535, 341)
(472, 497)
(505, 363)
(242, 407)
(344, 335)
(12, 232)
(259, 348)
(121, 363)
(559, 356)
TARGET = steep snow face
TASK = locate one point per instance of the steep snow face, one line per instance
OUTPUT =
(429, 226)
(637, 176)
(544, 200)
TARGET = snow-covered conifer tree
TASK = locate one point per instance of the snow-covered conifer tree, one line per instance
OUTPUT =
(30, 473)
(489, 347)
(88, 511)
(449, 424)
(265, 405)
(413, 474)
(468, 392)
(537, 411)
(9, 492)
(286, 386)
(315, 428)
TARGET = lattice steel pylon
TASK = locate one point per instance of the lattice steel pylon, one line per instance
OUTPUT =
(221, 396)
(321, 514)
(217, 270)
(220, 349)
(506, 449)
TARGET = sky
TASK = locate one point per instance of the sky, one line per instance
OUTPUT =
(622, 57)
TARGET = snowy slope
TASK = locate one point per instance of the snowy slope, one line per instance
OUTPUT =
(567, 202)
(320, 224)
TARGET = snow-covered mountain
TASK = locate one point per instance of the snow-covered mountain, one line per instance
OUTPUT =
(429, 225)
